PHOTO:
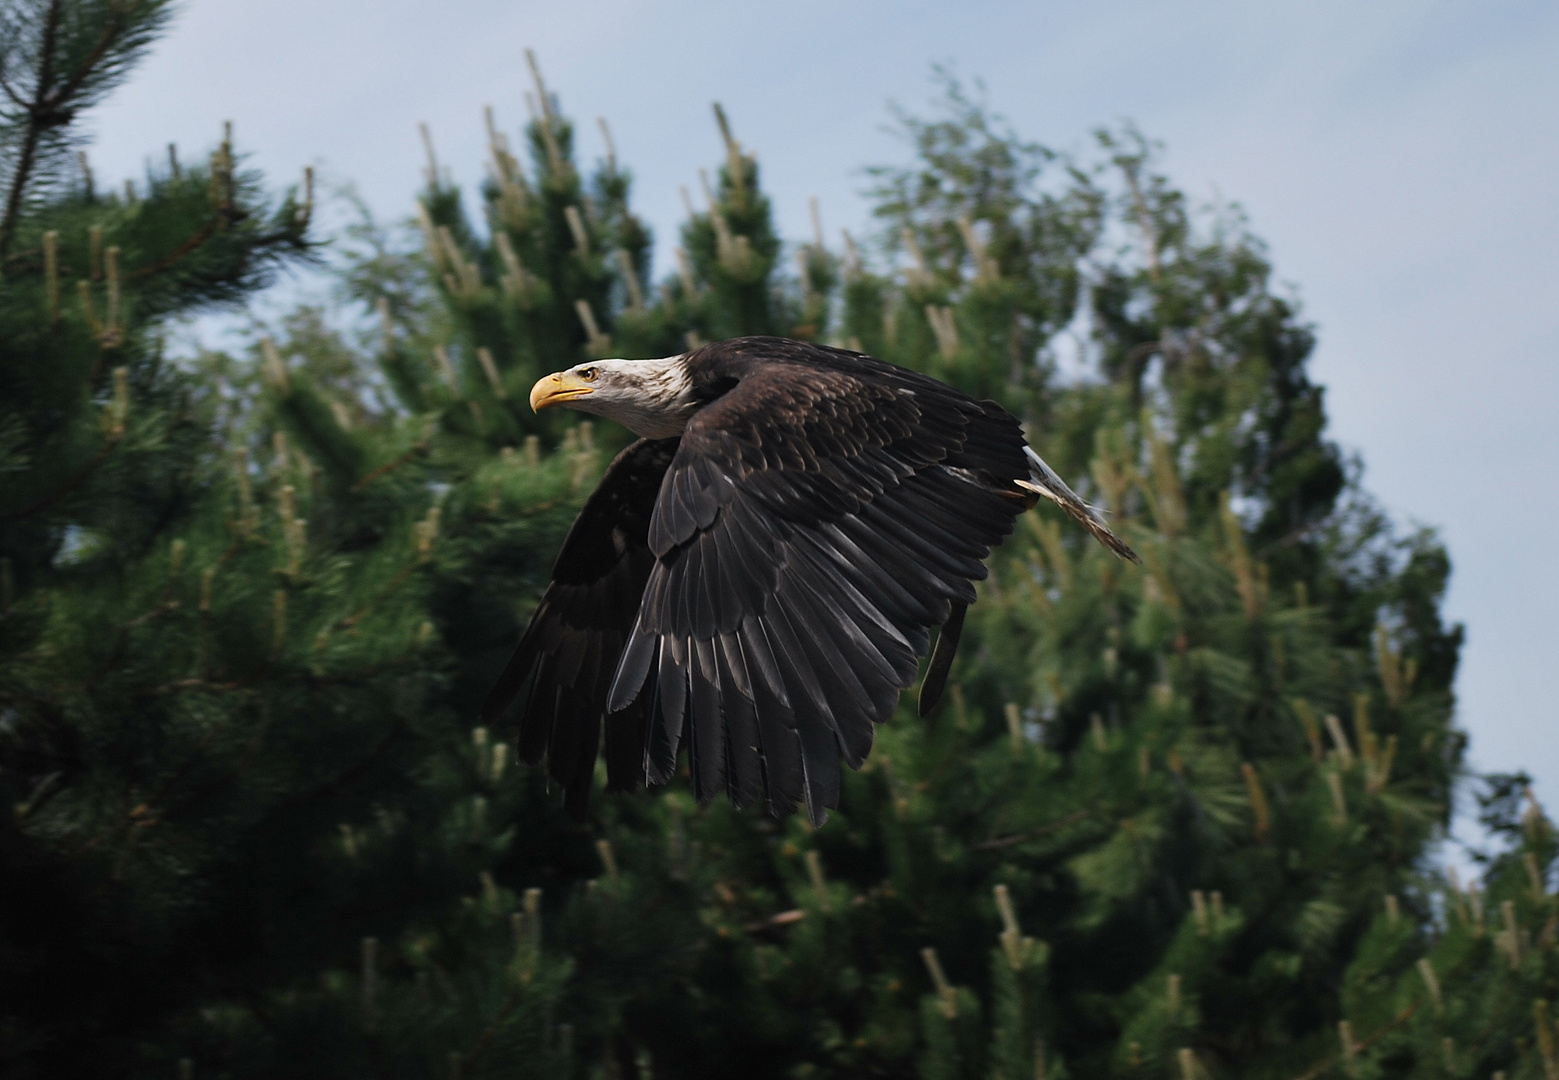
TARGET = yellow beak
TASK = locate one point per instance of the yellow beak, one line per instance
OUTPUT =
(558, 389)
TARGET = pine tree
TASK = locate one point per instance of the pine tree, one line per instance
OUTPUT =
(106, 560)
(211, 713)
(1118, 740)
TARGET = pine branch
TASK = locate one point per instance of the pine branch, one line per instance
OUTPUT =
(1000, 842)
(390, 466)
(384, 594)
(192, 684)
(51, 110)
(221, 219)
(46, 501)
(1323, 1067)
(35, 127)
(475, 1054)
(143, 815)
(42, 793)
(84, 71)
(358, 674)
(225, 217)
(345, 778)
(54, 106)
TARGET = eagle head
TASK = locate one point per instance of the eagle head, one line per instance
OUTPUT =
(652, 398)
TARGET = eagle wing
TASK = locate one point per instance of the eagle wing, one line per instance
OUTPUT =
(816, 520)
(571, 648)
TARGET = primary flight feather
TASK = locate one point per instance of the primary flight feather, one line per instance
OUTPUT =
(755, 579)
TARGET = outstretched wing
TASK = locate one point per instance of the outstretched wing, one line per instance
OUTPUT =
(817, 519)
(571, 648)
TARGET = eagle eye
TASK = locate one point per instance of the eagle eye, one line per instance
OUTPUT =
(588, 374)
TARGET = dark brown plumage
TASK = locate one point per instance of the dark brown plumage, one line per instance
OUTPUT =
(760, 589)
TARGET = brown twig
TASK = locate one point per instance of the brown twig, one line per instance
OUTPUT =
(476, 1052)
(1397, 1021)
(1033, 834)
(225, 216)
(391, 466)
(784, 918)
(200, 236)
(193, 684)
(345, 778)
(360, 673)
(384, 594)
(163, 607)
(46, 501)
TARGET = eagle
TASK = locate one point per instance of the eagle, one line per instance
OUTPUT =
(756, 577)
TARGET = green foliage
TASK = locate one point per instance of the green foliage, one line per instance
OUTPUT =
(56, 59)
(1175, 821)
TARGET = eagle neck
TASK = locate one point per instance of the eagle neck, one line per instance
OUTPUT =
(714, 371)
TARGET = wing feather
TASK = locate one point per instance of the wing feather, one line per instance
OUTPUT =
(707, 723)
(626, 741)
(820, 769)
(660, 750)
(536, 721)
(941, 661)
(743, 753)
(673, 703)
(570, 652)
(756, 646)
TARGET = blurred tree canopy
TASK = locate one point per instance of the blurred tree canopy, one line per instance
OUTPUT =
(1178, 821)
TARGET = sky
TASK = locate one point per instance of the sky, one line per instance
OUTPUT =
(1399, 158)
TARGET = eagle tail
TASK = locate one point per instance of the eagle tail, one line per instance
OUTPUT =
(1044, 481)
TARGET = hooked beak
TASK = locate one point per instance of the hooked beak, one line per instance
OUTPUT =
(558, 389)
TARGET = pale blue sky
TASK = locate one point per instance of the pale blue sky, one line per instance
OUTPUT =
(1399, 157)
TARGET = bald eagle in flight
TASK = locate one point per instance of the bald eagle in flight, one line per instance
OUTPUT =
(755, 578)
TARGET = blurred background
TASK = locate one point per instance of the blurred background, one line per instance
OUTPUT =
(1397, 157)
(1273, 283)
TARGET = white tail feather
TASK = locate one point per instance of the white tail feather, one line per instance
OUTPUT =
(1044, 481)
